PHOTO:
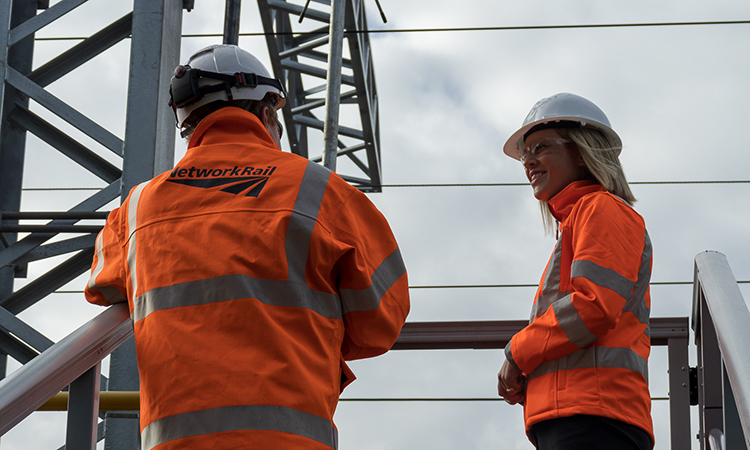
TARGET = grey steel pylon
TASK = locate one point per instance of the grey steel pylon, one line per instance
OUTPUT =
(146, 150)
(299, 59)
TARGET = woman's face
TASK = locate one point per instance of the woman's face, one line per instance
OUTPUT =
(551, 162)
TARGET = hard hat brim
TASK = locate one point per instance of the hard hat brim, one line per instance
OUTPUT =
(511, 145)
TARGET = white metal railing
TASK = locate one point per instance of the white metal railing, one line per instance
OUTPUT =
(716, 440)
(721, 321)
(26, 389)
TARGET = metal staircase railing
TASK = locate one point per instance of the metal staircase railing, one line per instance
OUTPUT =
(720, 319)
(721, 322)
(75, 361)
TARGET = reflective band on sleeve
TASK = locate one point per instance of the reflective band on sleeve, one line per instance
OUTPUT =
(609, 357)
(303, 218)
(601, 276)
(551, 285)
(111, 294)
(509, 353)
(637, 301)
(552, 277)
(237, 418)
(533, 313)
(232, 287)
(389, 271)
(135, 197)
(572, 323)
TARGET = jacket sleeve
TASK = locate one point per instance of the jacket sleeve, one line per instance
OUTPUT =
(607, 240)
(107, 283)
(372, 283)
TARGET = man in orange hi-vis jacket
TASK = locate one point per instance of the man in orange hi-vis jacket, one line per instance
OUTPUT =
(251, 274)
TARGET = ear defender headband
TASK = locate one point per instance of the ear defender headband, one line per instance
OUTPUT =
(185, 89)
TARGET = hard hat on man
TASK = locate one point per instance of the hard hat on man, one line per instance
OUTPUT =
(220, 73)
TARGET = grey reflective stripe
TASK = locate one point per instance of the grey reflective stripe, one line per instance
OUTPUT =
(572, 323)
(552, 277)
(602, 276)
(135, 197)
(237, 418)
(617, 357)
(637, 301)
(551, 285)
(509, 353)
(303, 218)
(232, 287)
(389, 271)
(293, 292)
(112, 295)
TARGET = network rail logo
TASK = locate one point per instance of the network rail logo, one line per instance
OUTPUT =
(247, 181)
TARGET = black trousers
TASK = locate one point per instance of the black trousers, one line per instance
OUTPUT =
(589, 433)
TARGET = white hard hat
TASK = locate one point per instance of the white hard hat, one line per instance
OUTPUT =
(560, 111)
(220, 72)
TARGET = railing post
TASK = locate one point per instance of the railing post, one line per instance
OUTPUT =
(734, 437)
(679, 393)
(720, 321)
(709, 374)
(83, 410)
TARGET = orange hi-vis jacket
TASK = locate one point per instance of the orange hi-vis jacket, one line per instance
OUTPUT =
(586, 348)
(251, 275)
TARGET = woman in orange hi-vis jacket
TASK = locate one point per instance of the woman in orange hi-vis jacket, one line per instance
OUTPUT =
(580, 368)
(251, 274)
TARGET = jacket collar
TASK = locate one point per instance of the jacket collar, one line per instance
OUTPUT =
(229, 125)
(562, 204)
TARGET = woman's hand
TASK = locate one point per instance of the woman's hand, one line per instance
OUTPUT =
(511, 383)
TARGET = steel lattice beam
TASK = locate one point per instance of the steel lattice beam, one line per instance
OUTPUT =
(298, 58)
(154, 27)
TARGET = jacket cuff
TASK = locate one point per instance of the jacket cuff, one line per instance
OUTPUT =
(509, 355)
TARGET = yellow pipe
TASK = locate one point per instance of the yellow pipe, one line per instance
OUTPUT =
(108, 401)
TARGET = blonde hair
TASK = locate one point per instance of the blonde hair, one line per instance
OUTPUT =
(599, 153)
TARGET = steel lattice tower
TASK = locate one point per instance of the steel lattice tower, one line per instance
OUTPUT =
(147, 149)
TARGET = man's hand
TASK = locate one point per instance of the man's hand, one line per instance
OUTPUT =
(511, 383)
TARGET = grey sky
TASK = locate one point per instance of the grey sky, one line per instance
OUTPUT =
(677, 96)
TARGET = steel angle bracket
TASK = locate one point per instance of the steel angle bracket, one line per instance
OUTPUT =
(299, 57)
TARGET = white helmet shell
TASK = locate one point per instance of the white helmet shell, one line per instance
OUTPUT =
(563, 107)
(227, 60)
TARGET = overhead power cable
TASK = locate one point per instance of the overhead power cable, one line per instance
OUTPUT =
(490, 286)
(420, 185)
(432, 399)
(481, 286)
(455, 29)
(407, 185)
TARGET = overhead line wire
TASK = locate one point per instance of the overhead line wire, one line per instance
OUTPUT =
(407, 185)
(454, 29)
(475, 286)
(526, 183)
(432, 399)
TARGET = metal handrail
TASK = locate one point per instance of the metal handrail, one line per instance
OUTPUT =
(716, 440)
(731, 317)
(26, 389)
